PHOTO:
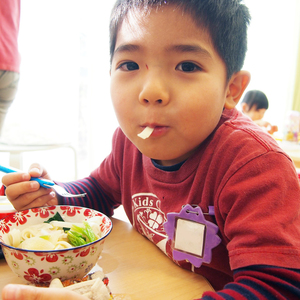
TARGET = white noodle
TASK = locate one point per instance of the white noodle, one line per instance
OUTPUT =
(146, 133)
(47, 236)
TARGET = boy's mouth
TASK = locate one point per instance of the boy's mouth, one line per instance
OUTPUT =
(153, 131)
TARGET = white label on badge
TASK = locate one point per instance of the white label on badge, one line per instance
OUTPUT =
(190, 237)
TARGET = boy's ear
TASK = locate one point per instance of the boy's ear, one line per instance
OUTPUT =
(244, 107)
(236, 87)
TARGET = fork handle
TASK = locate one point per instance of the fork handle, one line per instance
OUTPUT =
(46, 183)
(43, 182)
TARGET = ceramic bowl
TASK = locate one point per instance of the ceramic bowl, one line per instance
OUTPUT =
(40, 267)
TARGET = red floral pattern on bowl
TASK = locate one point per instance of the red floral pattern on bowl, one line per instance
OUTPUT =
(40, 267)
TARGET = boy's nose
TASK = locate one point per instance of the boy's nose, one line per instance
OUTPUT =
(154, 91)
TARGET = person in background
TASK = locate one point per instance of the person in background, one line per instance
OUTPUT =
(176, 78)
(9, 55)
(254, 104)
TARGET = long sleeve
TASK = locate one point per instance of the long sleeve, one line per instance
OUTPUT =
(260, 283)
(95, 197)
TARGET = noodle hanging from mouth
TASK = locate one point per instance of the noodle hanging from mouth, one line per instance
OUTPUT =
(146, 133)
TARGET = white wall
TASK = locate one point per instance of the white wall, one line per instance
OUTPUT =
(64, 85)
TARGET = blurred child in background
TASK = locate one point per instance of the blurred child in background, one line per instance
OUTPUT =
(255, 103)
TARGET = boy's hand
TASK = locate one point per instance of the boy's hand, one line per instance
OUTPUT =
(23, 193)
(25, 292)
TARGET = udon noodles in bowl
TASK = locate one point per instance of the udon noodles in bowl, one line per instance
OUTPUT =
(44, 243)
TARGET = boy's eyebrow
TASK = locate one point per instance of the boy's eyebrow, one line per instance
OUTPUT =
(189, 48)
(173, 48)
(127, 48)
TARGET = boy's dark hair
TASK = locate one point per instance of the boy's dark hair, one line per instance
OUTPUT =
(225, 20)
(257, 98)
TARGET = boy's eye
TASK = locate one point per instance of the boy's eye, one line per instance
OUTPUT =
(187, 67)
(129, 66)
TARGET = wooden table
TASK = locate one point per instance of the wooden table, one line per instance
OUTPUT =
(136, 269)
(292, 150)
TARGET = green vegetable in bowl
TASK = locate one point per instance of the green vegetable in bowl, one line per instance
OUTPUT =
(75, 238)
(57, 217)
(81, 236)
(78, 235)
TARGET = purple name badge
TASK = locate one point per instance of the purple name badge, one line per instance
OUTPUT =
(192, 237)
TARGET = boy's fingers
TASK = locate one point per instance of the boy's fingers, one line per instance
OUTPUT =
(11, 178)
(39, 198)
(45, 200)
(14, 190)
(25, 292)
(36, 170)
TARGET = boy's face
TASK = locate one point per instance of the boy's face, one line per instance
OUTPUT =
(166, 74)
(254, 113)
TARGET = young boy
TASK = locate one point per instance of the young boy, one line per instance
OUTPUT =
(255, 104)
(176, 70)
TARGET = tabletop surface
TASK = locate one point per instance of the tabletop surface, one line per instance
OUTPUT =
(136, 269)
